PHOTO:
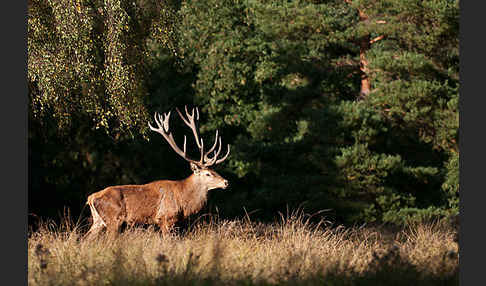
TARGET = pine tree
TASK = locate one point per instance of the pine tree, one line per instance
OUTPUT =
(344, 104)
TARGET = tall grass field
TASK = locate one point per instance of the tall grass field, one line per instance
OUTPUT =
(290, 251)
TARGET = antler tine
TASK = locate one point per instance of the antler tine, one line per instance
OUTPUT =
(191, 123)
(225, 156)
(184, 144)
(156, 121)
(214, 146)
(150, 125)
(201, 161)
(166, 121)
(182, 116)
(212, 160)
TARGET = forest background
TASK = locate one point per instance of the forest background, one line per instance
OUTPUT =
(345, 107)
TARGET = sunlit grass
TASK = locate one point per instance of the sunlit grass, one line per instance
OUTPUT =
(291, 251)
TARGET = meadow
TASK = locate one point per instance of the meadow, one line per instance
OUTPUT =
(290, 251)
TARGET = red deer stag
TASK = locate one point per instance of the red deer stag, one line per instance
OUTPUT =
(161, 202)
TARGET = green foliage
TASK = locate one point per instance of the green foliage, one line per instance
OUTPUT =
(451, 183)
(90, 57)
(280, 80)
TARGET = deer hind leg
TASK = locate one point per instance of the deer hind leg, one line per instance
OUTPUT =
(95, 229)
(107, 213)
(98, 222)
(111, 212)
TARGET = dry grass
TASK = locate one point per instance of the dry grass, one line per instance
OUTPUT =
(289, 252)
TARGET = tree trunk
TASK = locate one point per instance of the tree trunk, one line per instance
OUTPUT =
(364, 46)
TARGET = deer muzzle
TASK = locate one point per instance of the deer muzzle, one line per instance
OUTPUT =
(225, 184)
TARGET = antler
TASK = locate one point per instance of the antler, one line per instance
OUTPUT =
(163, 128)
(205, 161)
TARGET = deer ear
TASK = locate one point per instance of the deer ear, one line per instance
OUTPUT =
(195, 168)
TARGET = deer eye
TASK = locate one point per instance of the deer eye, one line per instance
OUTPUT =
(207, 174)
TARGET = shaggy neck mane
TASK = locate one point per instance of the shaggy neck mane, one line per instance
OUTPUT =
(194, 197)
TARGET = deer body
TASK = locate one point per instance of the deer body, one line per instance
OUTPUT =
(163, 202)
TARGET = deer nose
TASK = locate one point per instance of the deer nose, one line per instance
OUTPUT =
(226, 183)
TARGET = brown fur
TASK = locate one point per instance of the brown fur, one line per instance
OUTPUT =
(160, 202)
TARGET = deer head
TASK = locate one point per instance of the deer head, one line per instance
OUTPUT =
(208, 178)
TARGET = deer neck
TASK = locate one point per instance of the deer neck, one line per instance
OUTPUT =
(195, 193)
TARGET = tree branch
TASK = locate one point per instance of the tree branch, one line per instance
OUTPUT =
(376, 39)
